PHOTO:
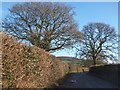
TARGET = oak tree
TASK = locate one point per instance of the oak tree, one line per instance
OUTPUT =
(99, 42)
(44, 24)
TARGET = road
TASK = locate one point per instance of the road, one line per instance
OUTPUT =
(85, 80)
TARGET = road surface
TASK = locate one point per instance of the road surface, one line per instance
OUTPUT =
(85, 80)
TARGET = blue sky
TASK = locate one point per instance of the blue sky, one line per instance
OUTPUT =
(92, 12)
(106, 12)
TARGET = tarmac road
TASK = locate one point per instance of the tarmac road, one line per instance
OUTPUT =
(85, 80)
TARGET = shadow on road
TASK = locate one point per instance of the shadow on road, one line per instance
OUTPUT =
(84, 80)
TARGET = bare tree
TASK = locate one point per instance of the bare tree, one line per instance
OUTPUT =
(99, 42)
(47, 25)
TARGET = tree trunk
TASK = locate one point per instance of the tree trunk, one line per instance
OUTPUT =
(94, 61)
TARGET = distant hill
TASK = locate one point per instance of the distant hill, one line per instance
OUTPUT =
(70, 59)
(76, 61)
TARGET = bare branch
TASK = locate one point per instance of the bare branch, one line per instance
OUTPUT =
(47, 25)
(99, 39)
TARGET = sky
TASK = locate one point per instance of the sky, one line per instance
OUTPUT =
(92, 12)
(85, 12)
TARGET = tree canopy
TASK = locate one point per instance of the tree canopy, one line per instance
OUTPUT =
(46, 25)
(99, 42)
